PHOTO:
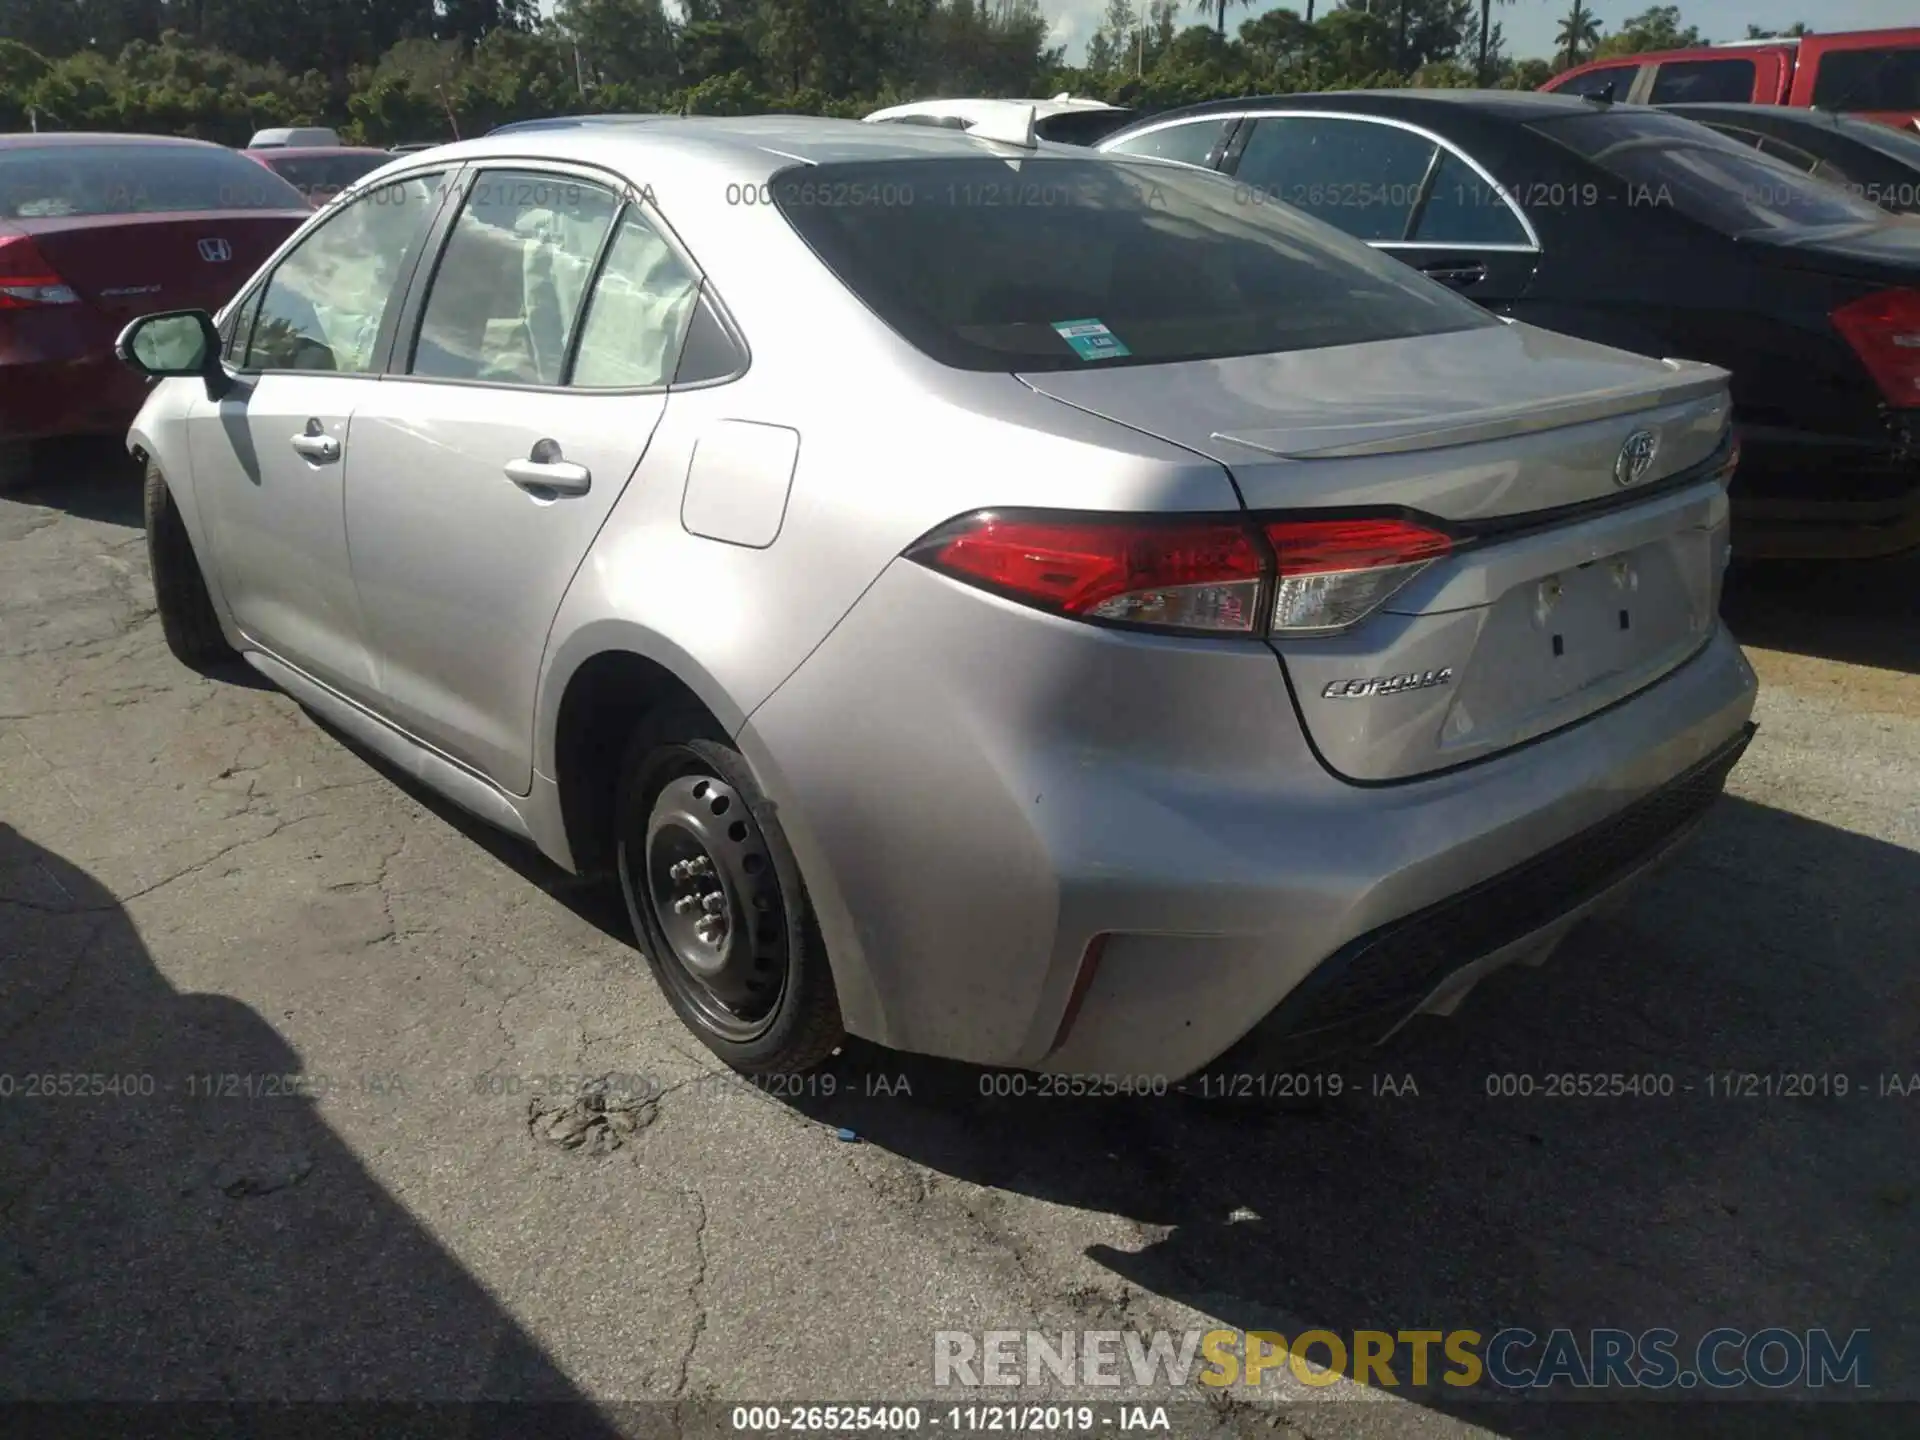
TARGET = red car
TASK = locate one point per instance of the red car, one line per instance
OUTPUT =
(1874, 74)
(321, 172)
(96, 230)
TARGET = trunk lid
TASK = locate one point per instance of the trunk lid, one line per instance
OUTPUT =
(1887, 254)
(126, 266)
(1567, 589)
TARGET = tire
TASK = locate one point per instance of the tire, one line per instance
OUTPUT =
(187, 616)
(766, 1003)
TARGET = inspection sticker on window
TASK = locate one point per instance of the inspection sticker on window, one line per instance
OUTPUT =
(1090, 339)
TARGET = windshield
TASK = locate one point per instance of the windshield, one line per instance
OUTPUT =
(54, 181)
(1669, 161)
(318, 176)
(1055, 263)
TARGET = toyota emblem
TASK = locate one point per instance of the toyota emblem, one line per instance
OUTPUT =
(1636, 458)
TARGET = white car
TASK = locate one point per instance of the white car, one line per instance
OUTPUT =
(1063, 119)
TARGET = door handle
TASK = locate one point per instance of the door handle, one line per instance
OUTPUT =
(1453, 272)
(317, 447)
(544, 470)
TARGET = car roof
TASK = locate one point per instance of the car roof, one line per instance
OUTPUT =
(98, 137)
(297, 151)
(1518, 106)
(745, 147)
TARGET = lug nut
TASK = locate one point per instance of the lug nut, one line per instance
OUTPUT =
(715, 902)
(686, 903)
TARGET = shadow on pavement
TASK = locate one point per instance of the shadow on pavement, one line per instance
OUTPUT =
(1859, 613)
(91, 477)
(173, 1234)
(1772, 945)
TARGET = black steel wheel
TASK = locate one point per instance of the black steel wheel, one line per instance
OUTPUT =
(717, 902)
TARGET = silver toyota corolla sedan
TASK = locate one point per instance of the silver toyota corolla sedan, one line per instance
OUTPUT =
(1001, 601)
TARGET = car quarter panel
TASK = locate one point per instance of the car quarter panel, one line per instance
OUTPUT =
(1092, 782)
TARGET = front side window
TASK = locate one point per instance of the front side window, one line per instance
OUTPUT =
(1678, 82)
(1357, 175)
(58, 181)
(325, 304)
(1081, 127)
(1886, 79)
(1669, 162)
(637, 316)
(511, 280)
(1060, 261)
(1189, 143)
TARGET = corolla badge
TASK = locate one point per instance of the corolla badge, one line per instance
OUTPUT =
(1636, 458)
(1386, 685)
(214, 251)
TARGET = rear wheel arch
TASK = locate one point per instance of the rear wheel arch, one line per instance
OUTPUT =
(606, 698)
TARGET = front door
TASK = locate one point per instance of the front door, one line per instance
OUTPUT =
(521, 402)
(269, 459)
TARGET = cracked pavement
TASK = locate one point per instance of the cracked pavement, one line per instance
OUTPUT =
(198, 880)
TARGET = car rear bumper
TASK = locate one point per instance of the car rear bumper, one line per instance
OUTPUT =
(72, 391)
(977, 793)
(1805, 497)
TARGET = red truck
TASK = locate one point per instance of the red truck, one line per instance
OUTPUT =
(1874, 74)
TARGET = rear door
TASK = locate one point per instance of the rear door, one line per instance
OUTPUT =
(1401, 189)
(530, 375)
(1873, 75)
(1732, 80)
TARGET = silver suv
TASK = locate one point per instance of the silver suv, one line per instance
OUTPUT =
(1002, 601)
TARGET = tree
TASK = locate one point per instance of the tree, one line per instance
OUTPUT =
(1486, 38)
(1796, 31)
(1657, 28)
(1218, 9)
(1579, 32)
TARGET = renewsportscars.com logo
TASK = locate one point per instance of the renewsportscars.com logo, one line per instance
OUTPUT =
(1509, 1359)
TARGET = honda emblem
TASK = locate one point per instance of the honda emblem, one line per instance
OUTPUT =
(215, 251)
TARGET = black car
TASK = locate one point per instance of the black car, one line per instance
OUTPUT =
(1864, 156)
(1639, 229)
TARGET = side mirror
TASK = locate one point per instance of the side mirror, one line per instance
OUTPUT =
(175, 343)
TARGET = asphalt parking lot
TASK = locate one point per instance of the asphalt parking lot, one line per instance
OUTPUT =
(198, 881)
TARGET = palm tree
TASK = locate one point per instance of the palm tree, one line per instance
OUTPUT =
(1486, 36)
(1219, 9)
(1579, 31)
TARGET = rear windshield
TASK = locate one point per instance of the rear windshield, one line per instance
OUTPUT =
(1868, 80)
(324, 173)
(1081, 127)
(1903, 145)
(58, 180)
(1666, 160)
(1055, 263)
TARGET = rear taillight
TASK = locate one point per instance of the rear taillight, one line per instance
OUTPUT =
(26, 279)
(1334, 573)
(1178, 573)
(1884, 331)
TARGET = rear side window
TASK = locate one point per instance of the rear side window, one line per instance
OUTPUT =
(1059, 262)
(1868, 80)
(52, 181)
(638, 314)
(1706, 81)
(1610, 83)
(1189, 143)
(510, 283)
(1667, 161)
(1357, 175)
(1463, 209)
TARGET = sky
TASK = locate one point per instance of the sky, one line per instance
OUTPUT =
(1530, 24)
